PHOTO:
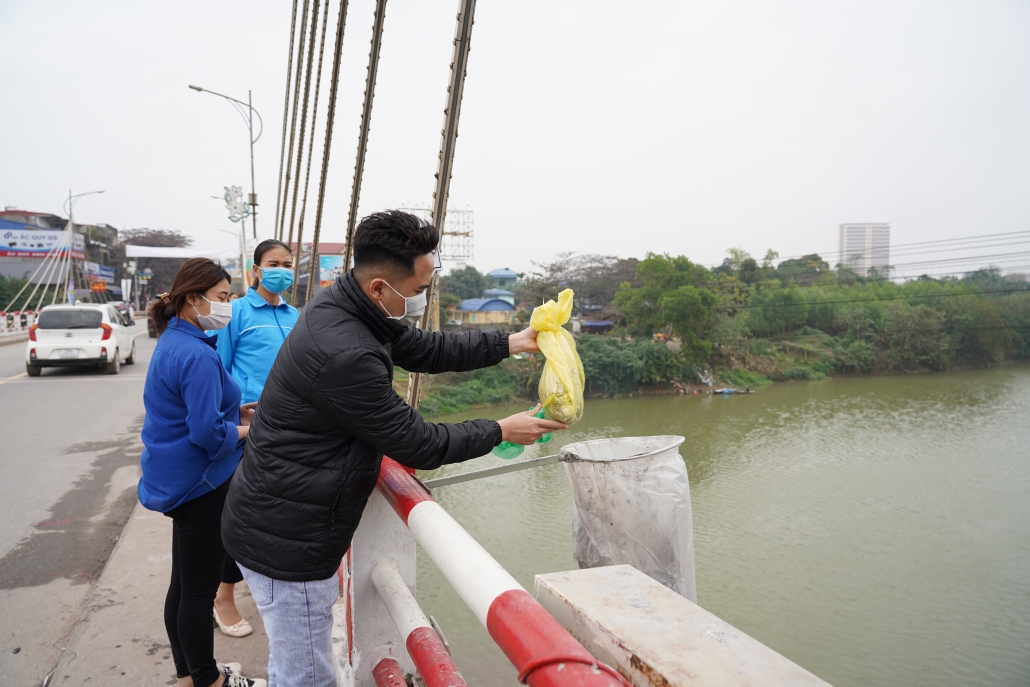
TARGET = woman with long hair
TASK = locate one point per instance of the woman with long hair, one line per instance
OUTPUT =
(261, 320)
(193, 435)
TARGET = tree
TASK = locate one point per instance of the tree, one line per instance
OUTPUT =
(465, 283)
(777, 310)
(164, 269)
(672, 292)
(915, 336)
(803, 271)
(594, 278)
(10, 286)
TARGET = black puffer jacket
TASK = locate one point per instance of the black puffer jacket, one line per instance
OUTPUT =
(326, 417)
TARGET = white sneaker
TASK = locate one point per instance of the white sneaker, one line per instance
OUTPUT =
(236, 680)
(231, 667)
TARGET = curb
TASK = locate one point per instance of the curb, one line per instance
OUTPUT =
(87, 606)
(8, 339)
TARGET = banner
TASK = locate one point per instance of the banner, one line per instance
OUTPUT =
(251, 245)
(99, 274)
(330, 267)
(37, 243)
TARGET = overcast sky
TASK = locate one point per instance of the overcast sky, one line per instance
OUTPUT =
(609, 127)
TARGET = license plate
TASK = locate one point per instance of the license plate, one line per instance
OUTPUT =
(68, 353)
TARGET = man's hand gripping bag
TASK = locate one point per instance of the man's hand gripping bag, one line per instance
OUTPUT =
(561, 384)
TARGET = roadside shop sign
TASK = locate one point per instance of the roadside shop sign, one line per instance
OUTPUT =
(36, 243)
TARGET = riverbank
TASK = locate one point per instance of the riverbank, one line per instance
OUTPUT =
(621, 367)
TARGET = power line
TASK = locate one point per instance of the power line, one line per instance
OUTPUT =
(872, 298)
(976, 238)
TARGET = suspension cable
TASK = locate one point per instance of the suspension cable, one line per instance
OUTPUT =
(303, 127)
(307, 171)
(330, 119)
(448, 140)
(363, 128)
(293, 117)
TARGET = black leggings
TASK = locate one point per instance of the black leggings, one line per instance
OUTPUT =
(199, 564)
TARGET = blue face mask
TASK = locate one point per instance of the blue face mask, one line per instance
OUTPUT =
(276, 279)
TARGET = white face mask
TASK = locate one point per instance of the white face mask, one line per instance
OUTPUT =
(414, 306)
(220, 315)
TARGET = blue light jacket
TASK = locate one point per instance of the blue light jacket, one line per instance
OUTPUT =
(249, 343)
(190, 443)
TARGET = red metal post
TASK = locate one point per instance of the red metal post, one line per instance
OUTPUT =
(542, 651)
(387, 673)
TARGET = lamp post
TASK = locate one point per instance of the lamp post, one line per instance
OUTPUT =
(248, 117)
(69, 205)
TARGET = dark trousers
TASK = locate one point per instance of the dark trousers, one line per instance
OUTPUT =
(199, 564)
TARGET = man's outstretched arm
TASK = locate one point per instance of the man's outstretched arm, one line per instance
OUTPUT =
(418, 350)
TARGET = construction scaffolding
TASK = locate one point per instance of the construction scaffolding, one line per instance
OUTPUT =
(456, 243)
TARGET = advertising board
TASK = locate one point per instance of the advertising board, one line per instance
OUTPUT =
(36, 243)
(329, 268)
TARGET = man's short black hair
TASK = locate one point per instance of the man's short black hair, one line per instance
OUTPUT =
(393, 240)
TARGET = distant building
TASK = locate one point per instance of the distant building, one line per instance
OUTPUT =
(502, 278)
(482, 311)
(503, 295)
(26, 238)
(864, 247)
(43, 220)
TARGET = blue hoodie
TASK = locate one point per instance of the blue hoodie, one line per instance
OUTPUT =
(249, 343)
(191, 446)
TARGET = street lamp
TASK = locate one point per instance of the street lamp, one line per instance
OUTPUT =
(69, 205)
(248, 117)
(69, 208)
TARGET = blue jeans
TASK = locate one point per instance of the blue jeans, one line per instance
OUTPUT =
(298, 618)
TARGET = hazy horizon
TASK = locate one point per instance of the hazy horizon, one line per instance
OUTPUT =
(685, 127)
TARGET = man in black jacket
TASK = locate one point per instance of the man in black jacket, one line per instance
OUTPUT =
(327, 416)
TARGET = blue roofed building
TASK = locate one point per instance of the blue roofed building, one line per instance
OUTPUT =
(501, 294)
(503, 278)
(476, 311)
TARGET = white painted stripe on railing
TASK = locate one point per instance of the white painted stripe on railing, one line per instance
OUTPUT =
(403, 608)
(471, 570)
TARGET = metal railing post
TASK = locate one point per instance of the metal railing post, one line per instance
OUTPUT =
(542, 651)
(424, 646)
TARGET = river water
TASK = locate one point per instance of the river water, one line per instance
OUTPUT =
(874, 530)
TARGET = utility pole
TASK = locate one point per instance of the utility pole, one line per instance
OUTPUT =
(253, 189)
(249, 119)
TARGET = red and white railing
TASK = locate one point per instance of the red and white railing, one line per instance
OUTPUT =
(542, 651)
(424, 646)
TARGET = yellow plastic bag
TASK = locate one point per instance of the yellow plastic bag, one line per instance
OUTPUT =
(561, 384)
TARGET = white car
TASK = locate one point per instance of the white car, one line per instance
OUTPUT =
(88, 334)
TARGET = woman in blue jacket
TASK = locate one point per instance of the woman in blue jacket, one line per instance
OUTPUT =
(193, 435)
(261, 320)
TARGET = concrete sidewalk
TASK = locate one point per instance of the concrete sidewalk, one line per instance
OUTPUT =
(121, 640)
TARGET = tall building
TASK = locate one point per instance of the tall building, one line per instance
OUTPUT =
(863, 247)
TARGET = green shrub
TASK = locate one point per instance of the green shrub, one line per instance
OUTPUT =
(744, 378)
(610, 367)
(659, 364)
(688, 373)
(798, 374)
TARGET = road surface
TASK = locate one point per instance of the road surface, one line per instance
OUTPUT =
(69, 462)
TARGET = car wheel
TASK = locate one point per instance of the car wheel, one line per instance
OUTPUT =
(131, 360)
(33, 370)
(115, 366)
